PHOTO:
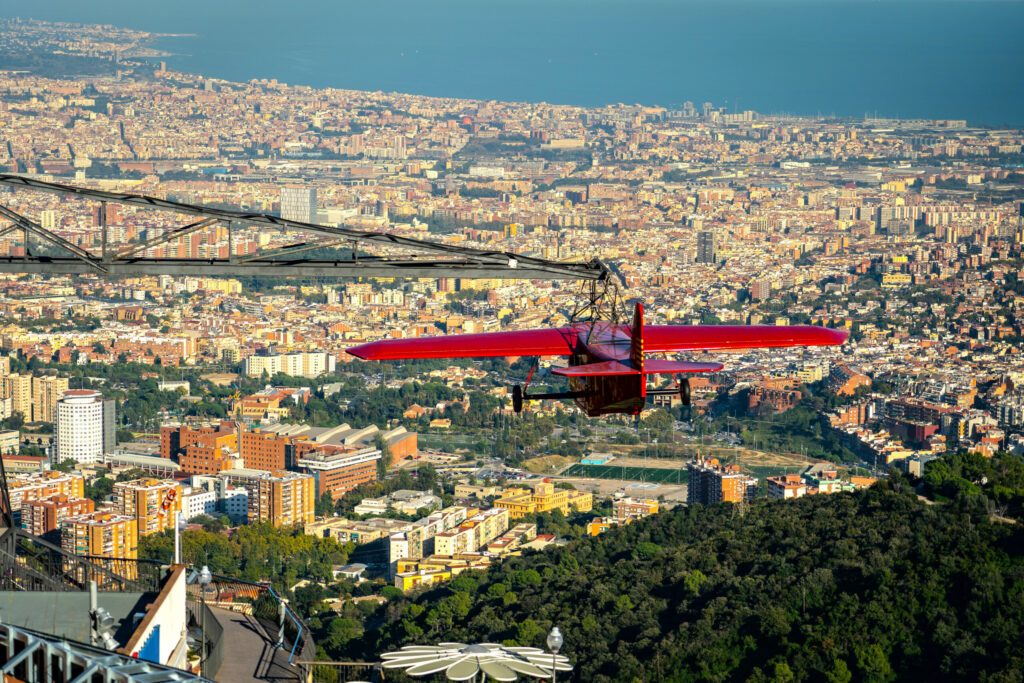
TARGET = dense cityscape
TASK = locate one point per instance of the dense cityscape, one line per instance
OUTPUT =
(375, 496)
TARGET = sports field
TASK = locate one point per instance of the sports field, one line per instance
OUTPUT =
(653, 474)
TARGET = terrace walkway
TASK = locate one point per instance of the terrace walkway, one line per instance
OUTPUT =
(249, 655)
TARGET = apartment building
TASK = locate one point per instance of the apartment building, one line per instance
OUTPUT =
(473, 534)
(264, 450)
(360, 532)
(23, 488)
(418, 540)
(19, 389)
(283, 499)
(300, 364)
(626, 508)
(206, 449)
(85, 426)
(46, 391)
(544, 498)
(338, 470)
(152, 502)
(710, 482)
(104, 534)
(786, 486)
(414, 574)
(43, 517)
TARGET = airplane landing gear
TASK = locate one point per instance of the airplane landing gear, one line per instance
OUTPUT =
(517, 399)
(684, 391)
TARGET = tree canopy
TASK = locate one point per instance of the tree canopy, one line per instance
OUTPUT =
(874, 585)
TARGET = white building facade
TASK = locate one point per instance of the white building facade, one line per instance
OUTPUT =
(301, 364)
(80, 427)
(298, 204)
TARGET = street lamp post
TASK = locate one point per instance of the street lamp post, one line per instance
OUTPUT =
(179, 526)
(205, 577)
(554, 644)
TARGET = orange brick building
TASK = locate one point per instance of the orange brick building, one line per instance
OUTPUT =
(269, 451)
(42, 517)
(202, 450)
(856, 414)
(844, 380)
(774, 394)
(401, 444)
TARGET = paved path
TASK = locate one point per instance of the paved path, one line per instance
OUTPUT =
(248, 654)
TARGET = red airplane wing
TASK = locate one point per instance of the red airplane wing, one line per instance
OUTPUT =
(708, 337)
(552, 342)
(562, 341)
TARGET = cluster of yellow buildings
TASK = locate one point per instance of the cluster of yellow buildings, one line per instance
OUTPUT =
(35, 397)
(54, 504)
(140, 507)
(449, 541)
(544, 497)
(442, 566)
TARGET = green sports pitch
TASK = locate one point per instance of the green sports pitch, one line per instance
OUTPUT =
(658, 475)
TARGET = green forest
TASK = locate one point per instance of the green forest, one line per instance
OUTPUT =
(257, 552)
(878, 585)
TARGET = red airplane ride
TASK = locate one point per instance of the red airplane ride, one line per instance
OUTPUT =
(607, 369)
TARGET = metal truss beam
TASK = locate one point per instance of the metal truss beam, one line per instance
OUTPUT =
(363, 267)
(466, 262)
(172, 234)
(30, 655)
(291, 249)
(33, 228)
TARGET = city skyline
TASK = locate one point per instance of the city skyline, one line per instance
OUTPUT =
(835, 492)
(867, 59)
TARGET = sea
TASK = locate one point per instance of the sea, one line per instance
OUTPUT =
(954, 59)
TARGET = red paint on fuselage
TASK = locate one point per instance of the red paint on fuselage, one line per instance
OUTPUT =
(608, 394)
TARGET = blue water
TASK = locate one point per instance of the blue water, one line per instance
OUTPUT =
(907, 58)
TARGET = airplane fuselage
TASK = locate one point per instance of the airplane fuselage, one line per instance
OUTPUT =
(611, 394)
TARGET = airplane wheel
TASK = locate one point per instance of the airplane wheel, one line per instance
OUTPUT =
(684, 391)
(517, 399)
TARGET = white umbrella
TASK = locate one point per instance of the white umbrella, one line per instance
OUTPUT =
(461, 662)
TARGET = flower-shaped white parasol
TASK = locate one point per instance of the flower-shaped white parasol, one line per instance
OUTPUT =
(461, 662)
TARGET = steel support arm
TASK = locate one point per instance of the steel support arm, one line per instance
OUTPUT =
(364, 267)
(594, 270)
(168, 236)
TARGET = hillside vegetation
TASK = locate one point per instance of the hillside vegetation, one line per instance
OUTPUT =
(875, 585)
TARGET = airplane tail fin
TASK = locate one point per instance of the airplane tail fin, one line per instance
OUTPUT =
(636, 346)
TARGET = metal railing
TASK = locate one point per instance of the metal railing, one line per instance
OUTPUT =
(31, 563)
(38, 565)
(280, 624)
(145, 575)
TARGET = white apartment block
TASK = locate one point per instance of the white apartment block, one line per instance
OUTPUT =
(299, 364)
(81, 427)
